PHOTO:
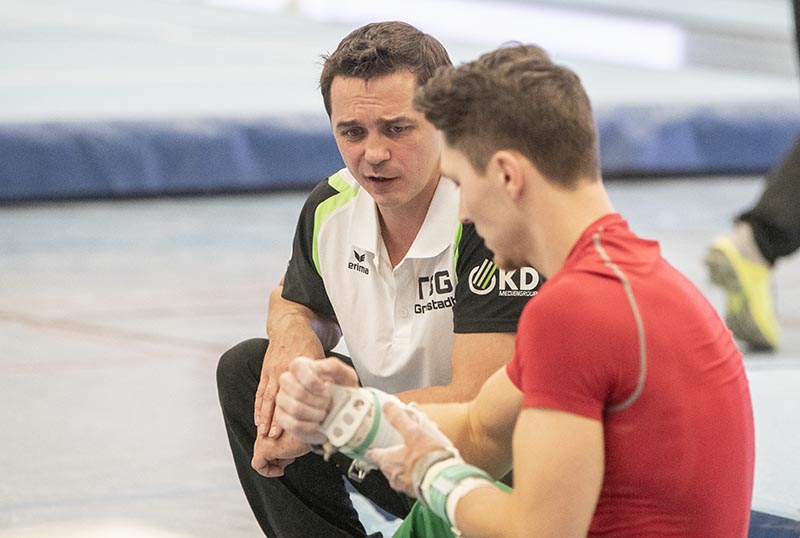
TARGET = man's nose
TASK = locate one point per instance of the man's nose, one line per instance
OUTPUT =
(377, 149)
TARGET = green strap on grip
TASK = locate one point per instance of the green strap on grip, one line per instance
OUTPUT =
(447, 479)
(359, 451)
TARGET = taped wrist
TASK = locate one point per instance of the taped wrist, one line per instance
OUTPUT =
(355, 422)
(448, 480)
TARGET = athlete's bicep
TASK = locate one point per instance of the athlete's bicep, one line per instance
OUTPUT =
(558, 470)
(491, 418)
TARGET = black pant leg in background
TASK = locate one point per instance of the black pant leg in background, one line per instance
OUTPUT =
(775, 219)
(310, 500)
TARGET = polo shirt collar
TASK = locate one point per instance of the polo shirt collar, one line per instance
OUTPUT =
(364, 233)
(437, 232)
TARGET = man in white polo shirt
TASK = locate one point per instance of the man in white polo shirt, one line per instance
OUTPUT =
(380, 257)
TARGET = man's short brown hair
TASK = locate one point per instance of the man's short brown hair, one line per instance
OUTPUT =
(382, 48)
(515, 98)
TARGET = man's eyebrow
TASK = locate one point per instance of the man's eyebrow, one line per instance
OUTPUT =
(397, 119)
(383, 122)
(345, 124)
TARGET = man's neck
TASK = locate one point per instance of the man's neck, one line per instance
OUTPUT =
(570, 214)
(400, 226)
(398, 238)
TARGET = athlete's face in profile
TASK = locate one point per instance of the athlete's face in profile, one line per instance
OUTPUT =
(485, 201)
(389, 147)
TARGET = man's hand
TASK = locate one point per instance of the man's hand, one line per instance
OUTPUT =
(294, 330)
(421, 436)
(276, 361)
(271, 456)
(303, 402)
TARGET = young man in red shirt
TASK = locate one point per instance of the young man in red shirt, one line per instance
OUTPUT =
(625, 410)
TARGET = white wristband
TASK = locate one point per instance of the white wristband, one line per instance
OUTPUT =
(464, 487)
(445, 482)
(430, 475)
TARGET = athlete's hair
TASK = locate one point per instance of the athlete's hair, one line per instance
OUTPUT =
(515, 98)
(382, 48)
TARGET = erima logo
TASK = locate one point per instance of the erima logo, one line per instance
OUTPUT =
(356, 266)
(485, 278)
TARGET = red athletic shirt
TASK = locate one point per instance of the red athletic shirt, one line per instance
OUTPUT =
(619, 335)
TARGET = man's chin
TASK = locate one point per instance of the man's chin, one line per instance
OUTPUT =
(504, 263)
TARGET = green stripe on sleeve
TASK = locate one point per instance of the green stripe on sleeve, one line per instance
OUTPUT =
(346, 193)
(459, 229)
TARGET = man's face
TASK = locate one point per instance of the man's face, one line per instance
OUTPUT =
(485, 202)
(389, 147)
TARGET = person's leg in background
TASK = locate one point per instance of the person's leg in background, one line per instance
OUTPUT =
(775, 219)
(741, 261)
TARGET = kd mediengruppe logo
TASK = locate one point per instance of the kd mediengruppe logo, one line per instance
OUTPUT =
(487, 276)
(356, 266)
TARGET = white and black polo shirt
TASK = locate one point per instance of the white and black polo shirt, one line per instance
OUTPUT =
(398, 322)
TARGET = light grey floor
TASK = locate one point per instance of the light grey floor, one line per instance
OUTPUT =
(112, 316)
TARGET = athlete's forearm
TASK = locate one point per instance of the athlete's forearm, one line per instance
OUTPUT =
(454, 421)
(475, 357)
(475, 442)
(439, 394)
(490, 512)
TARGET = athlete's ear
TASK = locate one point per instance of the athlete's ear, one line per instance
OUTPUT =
(508, 167)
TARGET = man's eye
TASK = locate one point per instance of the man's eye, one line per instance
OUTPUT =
(397, 129)
(353, 132)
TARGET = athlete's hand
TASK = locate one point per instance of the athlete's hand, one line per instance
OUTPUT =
(303, 403)
(420, 435)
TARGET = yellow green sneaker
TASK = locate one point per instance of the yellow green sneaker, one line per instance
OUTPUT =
(749, 312)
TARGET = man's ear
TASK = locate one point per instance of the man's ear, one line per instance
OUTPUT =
(508, 167)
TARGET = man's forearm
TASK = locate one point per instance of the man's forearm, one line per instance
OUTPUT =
(294, 336)
(295, 328)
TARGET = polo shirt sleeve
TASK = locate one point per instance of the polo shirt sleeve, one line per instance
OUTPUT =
(481, 305)
(303, 283)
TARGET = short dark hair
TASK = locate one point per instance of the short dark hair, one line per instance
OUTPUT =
(382, 48)
(515, 98)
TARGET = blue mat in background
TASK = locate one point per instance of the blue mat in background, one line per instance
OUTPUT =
(136, 158)
(674, 140)
(201, 156)
(769, 526)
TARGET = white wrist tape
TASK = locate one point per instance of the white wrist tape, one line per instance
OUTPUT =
(465, 486)
(355, 422)
(445, 482)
